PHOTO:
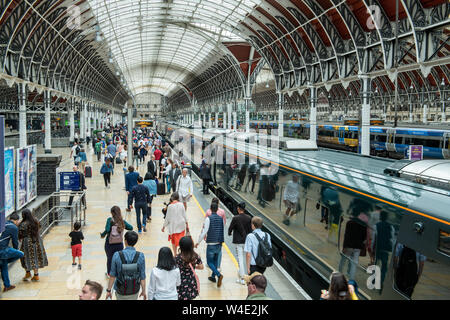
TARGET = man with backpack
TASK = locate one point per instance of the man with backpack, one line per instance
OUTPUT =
(128, 271)
(74, 152)
(258, 248)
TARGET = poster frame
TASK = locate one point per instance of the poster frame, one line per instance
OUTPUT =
(18, 171)
(13, 189)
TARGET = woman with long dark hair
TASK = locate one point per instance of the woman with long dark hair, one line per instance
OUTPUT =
(114, 230)
(339, 288)
(32, 246)
(165, 277)
(187, 261)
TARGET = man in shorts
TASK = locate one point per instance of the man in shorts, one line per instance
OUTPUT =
(290, 197)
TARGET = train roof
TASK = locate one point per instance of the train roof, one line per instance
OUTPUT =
(363, 175)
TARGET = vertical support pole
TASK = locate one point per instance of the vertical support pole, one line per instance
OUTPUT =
(425, 114)
(22, 94)
(247, 114)
(71, 122)
(82, 121)
(48, 133)
(280, 114)
(129, 107)
(229, 109)
(410, 111)
(234, 121)
(365, 116)
(209, 120)
(216, 120)
(88, 122)
(312, 114)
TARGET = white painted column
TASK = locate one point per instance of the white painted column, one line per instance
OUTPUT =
(22, 94)
(410, 112)
(129, 133)
(224, 120)
(312, 114)
(229, 108)
(425, 114)
(216, 120)
(209, 119)
(365, 116)
(82, 121)
(247, 114)
(443, 109)
(71, 121)
(280, 114)
(48, 132)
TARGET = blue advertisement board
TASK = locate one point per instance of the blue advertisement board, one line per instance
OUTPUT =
(2, 169)
(69, 181)
(10, 200)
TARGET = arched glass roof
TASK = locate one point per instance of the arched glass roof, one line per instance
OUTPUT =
(159, 43)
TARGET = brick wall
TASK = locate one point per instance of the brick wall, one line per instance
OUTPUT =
(46, 173)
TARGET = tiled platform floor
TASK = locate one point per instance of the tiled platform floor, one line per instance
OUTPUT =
(61, 281)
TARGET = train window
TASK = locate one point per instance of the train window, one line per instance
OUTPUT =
(380, 138)
(398, 140)
(418, 141)
(432, 143)
(444, 242)
(409, 140)
(418, 277)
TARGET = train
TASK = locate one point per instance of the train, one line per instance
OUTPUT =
(388, 234)
(384, 141)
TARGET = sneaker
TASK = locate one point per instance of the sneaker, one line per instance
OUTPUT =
(243, 282)
(145, 229)
(140, 232)
(79, 267)
(8, 288)
(74, 264)
(219, 282)
(238, 280)
(212, 279)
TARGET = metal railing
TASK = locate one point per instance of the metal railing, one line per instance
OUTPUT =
(59, 202)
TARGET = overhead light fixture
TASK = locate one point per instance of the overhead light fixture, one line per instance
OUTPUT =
(442, 82)
(98, 37)
(267, 84)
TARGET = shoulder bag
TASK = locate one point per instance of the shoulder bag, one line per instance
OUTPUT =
(196, 278)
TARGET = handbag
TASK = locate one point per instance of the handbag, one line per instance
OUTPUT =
(196, 278)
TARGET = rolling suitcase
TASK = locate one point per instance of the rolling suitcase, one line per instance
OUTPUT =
(161, 189)
(88, 172)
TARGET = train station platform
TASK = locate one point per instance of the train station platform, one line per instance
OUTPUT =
(61, 281)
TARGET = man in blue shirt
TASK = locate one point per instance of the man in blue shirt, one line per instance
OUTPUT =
(130, 182)
(111, 148)
(251, 245)
(141, 196)
(129, 253)
(8, 254)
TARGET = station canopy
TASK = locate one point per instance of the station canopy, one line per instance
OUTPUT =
(160, 44)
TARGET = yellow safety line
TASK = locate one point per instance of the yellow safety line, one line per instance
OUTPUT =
(223, 244)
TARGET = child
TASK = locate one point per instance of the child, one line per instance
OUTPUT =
(76, 236)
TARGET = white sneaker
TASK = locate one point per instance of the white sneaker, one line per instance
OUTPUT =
(238, 280)
(243, 282)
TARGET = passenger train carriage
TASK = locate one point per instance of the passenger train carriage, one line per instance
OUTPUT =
(384, 141)
(390, 235)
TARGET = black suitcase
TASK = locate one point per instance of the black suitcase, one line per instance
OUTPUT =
(161, 189)
(118, 160)
(88, 172)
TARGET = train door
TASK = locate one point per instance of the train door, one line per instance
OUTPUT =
(446, 146)
(390, 140)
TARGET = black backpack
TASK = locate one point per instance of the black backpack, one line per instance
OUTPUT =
(129, 280)
(264, 257)
(77, 150)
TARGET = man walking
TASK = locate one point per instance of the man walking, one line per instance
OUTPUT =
(130, 182)
(141, 196)
(112, 152)
(128, 271)
(8, 254)
(213, 229)
(184, 188)
(252, 242)
(240, 226)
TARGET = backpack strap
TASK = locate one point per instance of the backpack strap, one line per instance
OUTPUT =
(136, 257)
(122, 257)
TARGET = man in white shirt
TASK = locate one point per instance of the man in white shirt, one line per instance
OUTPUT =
(185, 188)
(252, 243)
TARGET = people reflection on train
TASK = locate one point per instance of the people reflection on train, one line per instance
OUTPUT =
(329, 200)
(265, 193)
(241, 176)
(252, 172)
(408, 265)
(339, 289)
(205, 175)
(290, 198)
(354, 240)
(382, 243)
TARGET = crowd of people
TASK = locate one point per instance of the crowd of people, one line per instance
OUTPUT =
(174, 277)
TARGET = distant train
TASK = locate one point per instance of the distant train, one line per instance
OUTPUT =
(384, 141)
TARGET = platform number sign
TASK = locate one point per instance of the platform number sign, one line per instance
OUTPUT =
(2, 169)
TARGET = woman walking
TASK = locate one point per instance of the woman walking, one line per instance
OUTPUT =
(187, 261)
(32, 246)
(114, 230)
(164, 278)
(176, 221)
(106, 171)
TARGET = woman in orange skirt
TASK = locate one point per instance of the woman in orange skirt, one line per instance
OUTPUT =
(176, 221)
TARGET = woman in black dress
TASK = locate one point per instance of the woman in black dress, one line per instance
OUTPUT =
(187, 261)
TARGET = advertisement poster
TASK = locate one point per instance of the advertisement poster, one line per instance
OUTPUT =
(415, 153)
(2, 168)
(22, 177)
(32, 178)
(9, 181)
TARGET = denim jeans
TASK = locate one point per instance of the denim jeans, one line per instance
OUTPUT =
(352, 255)
(168, 183)
(212, 258)
(141, 207)
(8, 255)
(241, 259)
